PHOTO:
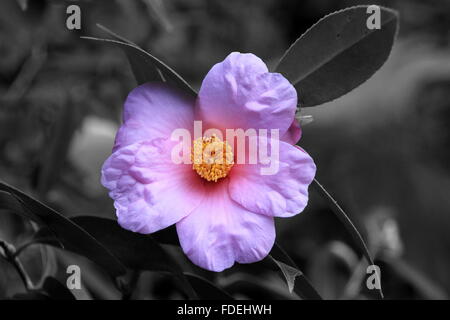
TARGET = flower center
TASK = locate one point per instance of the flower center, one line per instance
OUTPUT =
(212, 158)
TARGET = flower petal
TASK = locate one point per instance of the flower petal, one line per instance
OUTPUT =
(283, 192)
(219, 232)
(154, 110)
(294, 133)
(240, 93)
(150, 192)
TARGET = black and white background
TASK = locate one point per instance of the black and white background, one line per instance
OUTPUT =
(382, 150)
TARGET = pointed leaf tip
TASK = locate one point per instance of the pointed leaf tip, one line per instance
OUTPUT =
(338, 53)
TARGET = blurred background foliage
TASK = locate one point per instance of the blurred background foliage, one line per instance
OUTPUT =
(382, 150)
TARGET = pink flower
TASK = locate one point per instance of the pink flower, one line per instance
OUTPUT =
(223, 213)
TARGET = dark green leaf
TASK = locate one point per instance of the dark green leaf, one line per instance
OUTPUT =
(277, 260)
(68, 233)
(167, 236)
(342, 216)
(426, 287)
(289, 273)
(205, 289)
(43, 236)
(295, 279)
(136, 251)
(7, 202)
(337, 54)
(55, 290)
(147, 68)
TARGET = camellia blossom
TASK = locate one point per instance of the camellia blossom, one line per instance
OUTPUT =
(223, 212)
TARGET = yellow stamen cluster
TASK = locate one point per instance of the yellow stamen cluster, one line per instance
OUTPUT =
(212, 158)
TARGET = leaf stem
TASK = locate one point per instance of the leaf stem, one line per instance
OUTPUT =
(10, 256)
(343, 217)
